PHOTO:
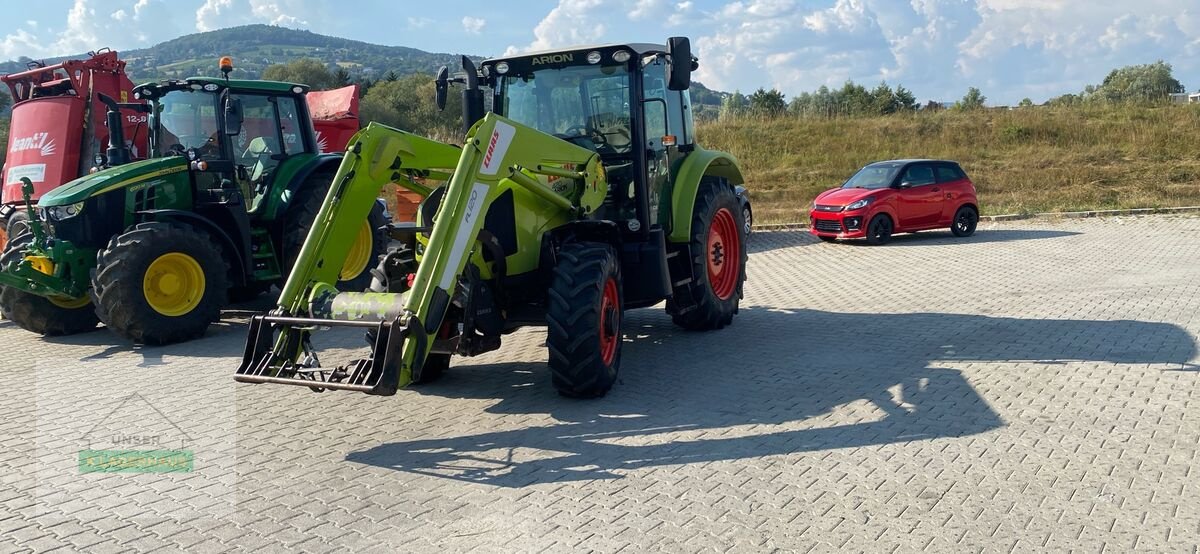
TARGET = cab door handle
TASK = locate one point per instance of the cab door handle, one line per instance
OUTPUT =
(935, 189)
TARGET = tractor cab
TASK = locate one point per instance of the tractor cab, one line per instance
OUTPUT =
(627, 102)
(231, 132)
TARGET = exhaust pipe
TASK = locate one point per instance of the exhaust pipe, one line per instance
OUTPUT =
(117, 153)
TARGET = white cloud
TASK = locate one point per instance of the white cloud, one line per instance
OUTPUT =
(473, 25)
(419, 22)
(938, 48)
(218, 14)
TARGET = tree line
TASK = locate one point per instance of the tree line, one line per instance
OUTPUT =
(1146, 84)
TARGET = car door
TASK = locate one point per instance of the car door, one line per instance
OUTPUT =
(954, 185)
(919, 198)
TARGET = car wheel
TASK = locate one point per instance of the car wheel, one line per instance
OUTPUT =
(965, 221)
(879, 231)
(747, 217)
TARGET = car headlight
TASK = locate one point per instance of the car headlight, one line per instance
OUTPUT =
(860, 204)
(58, 213)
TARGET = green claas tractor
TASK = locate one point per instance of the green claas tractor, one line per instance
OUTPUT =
(155, 248)
(580, 195)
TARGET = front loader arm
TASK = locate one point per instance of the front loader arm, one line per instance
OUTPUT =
(496, 150)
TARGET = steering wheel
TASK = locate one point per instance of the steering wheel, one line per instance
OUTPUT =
(590, 133)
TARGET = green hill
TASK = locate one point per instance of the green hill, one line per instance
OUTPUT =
(254, 47)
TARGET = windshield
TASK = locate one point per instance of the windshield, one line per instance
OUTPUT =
(587, 105)
(873, 177)
(187, 119)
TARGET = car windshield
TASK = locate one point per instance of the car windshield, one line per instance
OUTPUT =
(187, 119)
(586, 104)
(873, 177)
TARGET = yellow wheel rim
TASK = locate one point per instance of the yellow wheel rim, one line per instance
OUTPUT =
(70, 303)
(174, 284)
(360, 254)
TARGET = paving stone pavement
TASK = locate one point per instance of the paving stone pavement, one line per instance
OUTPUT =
(1031, 388)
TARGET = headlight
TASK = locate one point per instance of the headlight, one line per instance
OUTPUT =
(858, 205)
(58, 213)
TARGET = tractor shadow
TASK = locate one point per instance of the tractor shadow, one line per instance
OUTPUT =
(778, 382)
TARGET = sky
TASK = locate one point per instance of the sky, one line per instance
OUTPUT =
(1010, 49)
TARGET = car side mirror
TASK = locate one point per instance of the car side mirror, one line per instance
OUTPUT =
(904, 185)
(441, 85)
(679, 64)
(233, 116)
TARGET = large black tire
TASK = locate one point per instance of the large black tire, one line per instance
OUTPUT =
(302, 213)
(584, 311)
(119, 283)
(37, 313)
(710, 300)
(18, 223)
(879, 230)
(965, 221)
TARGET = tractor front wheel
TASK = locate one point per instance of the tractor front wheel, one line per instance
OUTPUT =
(370, 242)
(584, 312)
(39, 314)
(160, 283)
(718, 257)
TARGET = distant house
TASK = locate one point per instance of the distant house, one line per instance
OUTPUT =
(1181, 97)
(1194, 98)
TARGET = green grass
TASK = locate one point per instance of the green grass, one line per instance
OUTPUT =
(1022, 161)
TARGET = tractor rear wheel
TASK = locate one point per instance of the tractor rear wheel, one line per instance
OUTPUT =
(160, 283)
(370, 243)
(718, 251)
(584, 312)
(45, 316)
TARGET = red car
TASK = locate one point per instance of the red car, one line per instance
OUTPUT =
(897, 196)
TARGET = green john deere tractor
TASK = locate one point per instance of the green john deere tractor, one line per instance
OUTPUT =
(581, 195)
(155, 248)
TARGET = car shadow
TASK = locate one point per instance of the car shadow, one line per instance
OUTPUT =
(788, 381)
(940, 237)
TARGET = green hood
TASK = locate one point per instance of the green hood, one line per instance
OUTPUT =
(111, 179)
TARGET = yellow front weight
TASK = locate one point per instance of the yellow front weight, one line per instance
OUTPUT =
(41, 264)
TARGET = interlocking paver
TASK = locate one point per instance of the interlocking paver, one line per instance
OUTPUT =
(1033, 387)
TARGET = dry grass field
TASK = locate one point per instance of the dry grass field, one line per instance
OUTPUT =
(1022, 161)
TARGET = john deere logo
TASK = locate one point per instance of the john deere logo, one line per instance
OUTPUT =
(553, 58)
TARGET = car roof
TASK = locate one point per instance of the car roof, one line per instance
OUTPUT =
(907, 161)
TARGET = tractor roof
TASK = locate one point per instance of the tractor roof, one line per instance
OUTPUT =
(640, 48)
(236, 84)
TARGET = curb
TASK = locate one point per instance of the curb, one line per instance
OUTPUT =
(1018, 217)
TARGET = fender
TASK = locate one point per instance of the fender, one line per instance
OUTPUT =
(240, 259)
(700, 163)
(283, 197)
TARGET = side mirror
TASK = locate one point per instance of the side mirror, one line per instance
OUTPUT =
(904, 185)
(441, 86)
(679, 64)
(233, 116)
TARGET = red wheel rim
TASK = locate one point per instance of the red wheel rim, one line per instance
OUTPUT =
(610, 321)
(724, 254)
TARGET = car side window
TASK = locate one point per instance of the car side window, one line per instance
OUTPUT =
(949, 174)
(919, 175)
